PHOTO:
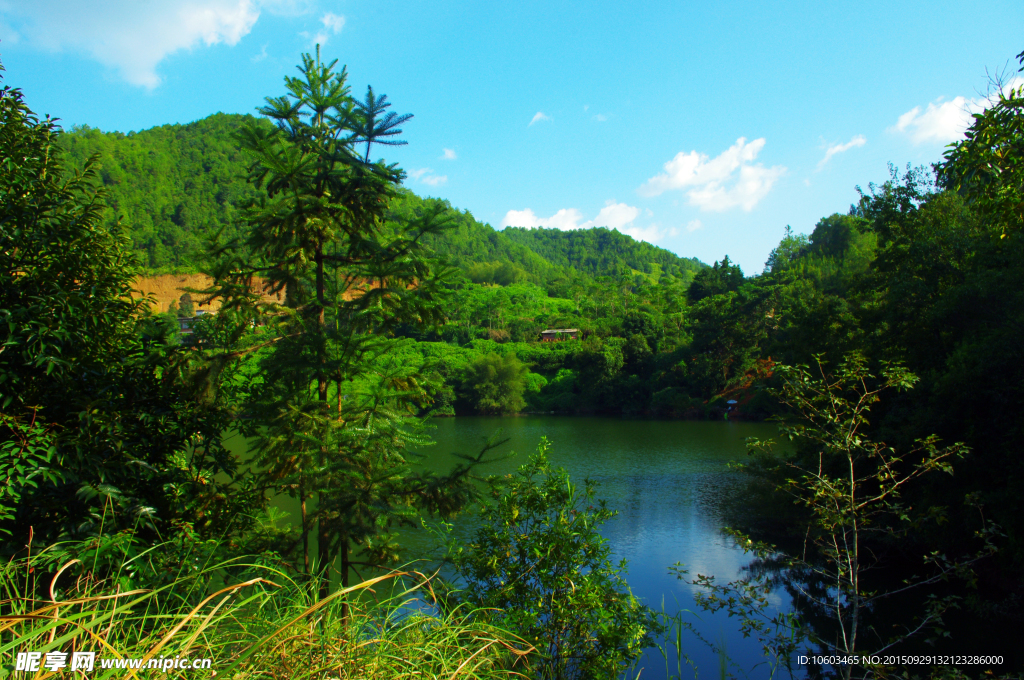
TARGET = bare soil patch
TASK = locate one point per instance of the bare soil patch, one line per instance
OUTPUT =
(168, 288)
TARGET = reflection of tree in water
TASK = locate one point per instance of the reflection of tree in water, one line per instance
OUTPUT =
(887, 623)
(844, 578)
(814, 603)
(713, 494)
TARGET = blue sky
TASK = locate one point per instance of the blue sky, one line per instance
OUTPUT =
(705, 128)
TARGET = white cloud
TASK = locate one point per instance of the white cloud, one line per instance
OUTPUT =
(600, 117)
(753, 184)
(652, 233)
(565, 219)
(614, 216)
(259, 57)
(619, 216)
(727, 181)
(694, 225)
(132, 36)
(448, 155)
(858, 140)
(538, 117)
(333, 23)
(426, 176)
(945, 121)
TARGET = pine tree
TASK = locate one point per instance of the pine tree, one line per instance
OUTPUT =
(333, 408)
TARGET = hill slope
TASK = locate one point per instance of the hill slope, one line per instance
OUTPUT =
(176, 186)
(172, 185)
(600, 251)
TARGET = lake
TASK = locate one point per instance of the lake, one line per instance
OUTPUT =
(666, 479)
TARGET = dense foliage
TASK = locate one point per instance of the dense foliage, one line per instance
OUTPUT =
(173, 186)
(396, 307)
(853, 494)
(177, 186)
(916, 271)
(332, 412)
(237, 619)
(99, 405)
(539, 565)
(601, 251)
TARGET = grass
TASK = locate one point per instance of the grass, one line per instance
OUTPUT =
(265, 625)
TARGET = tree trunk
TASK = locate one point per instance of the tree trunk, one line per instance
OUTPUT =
(305, 525)
(344, 576)
(324, 557)
(322, 382)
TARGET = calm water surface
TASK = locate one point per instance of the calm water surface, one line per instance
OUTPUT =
(666, 479)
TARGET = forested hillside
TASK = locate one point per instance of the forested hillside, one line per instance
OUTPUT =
(176, 186)
(172, 186)
(909, 305)
(601, 251)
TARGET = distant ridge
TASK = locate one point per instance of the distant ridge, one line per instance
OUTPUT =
(176, 186)
(599, 250)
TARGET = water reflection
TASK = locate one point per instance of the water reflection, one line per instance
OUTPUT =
(666, 479)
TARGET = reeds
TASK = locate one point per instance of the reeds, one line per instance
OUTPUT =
(265, 625)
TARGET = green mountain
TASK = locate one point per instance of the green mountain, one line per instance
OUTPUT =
(484, 254)
(175, 186)
(601, 251)
(172, 186)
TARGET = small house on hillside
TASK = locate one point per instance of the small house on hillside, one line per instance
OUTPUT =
(558, 334)
(185, 322)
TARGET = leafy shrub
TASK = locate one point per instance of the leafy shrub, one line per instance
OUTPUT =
(495, 384)
(540, 567)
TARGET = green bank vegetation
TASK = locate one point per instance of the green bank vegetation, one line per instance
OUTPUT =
(117, 479)
(249, 620)
(397, 308)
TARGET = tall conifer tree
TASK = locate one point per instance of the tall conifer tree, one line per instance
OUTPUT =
(332, 409)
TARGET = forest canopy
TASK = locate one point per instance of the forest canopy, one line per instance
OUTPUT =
(176, 186)
(395, 308)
